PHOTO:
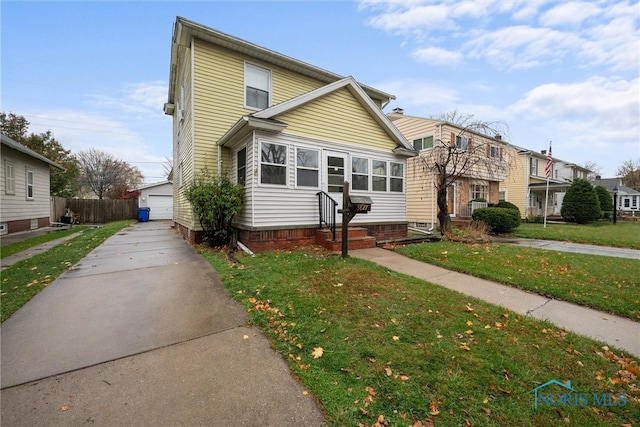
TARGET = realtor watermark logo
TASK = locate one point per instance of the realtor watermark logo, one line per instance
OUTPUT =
(568, 396)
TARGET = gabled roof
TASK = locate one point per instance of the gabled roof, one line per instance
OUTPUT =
(155, 184)
(28, 151)
(184, 30)
(611, 183)
(265, 119)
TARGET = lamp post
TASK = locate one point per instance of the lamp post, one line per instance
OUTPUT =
(615, 204)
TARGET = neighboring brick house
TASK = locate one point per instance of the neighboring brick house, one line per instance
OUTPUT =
(481, 181)
(284, 129)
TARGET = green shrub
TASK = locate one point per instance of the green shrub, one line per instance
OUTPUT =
(606, 201)
(215, 202)
(507, 205)
(499, 220)
(581, 203)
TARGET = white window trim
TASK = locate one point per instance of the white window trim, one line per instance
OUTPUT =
(244, 87)
(391, 177)
(4, 228)
(9, 178)
(317, 169)
(497, 152)
(422, 138)
(285, 165)
(386, 176)
(31, 173)
(368, 174)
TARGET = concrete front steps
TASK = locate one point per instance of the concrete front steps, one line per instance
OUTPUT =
(357, 239)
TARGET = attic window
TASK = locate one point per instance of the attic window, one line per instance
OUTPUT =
(257, 83)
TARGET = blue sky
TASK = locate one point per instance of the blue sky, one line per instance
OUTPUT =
(95, 73)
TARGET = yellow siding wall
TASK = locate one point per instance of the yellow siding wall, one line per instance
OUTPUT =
(183, 147)
(338, 117)
(421, 203)
(515, 183)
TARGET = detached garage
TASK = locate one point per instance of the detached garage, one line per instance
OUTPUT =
(158, 198)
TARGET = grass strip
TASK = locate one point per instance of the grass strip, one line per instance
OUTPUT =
(23, 280)
(603, 283)
(14, 248)
(375, 345)
(622, 235)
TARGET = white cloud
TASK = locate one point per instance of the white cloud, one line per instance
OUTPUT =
(140, 98)
(420, 97)
(521, 46)
(570, 13)
(414, 19)
(437, 56)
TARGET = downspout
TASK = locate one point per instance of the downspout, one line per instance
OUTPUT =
(219, 162)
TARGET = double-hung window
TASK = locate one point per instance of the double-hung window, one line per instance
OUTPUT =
(533, 166)
(9, 178)
(359, 174)
(423, 143)
(241, 166)
(379, 175)
(30, 193)
(257, 84)
(273, 164)
(479, 191)
(396, 181)
(307, 168)
(494, 152)
(462, 142)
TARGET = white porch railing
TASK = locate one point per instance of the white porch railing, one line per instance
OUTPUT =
(466, 210)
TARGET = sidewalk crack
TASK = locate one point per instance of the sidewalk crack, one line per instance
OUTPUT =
(531, 310)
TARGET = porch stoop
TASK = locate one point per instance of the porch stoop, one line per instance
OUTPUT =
(358, 239)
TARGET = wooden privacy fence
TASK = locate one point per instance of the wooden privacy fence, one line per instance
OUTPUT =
(93, 211)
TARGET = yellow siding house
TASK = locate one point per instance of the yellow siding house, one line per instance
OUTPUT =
(288, 131)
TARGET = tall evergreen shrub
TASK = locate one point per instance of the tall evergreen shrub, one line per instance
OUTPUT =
(581, 203)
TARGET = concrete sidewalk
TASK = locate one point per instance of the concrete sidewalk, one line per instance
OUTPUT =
(554, 245)
(142, 332)
(613, 330)
(7, 262)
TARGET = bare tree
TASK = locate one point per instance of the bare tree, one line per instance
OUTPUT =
(629, 171)
(106, 176)
(594, 169)
(462, 156)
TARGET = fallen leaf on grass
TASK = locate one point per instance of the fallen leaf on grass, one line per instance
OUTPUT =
(317, 352)
(433, 406)
(465, 347)
(388, 371)
(396, 338)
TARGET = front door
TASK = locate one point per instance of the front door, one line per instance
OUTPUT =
(335, 173)
(451, 200)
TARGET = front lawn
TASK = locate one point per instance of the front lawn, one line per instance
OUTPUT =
(624, 234)
(23, 280)
(375, 345)
(604, 283)
(14, 248)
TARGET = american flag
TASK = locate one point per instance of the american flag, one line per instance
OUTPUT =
(549, 166)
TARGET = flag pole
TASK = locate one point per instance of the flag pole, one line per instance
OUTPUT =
(547, 171)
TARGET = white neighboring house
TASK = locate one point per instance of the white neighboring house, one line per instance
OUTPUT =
(158, 197)
(25, 199)
(628, 198)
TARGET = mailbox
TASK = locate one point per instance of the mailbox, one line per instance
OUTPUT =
(360, 204)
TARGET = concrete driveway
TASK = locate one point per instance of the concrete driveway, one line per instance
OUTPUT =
(142, 332)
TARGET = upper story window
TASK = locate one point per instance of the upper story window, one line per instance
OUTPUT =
(307, 168)
(533, 166)
(241, 166)
(273, 164)
(30, 193)
(462, 142)
(257, 84)
(423, 143)
(9, 178)
(494, 152)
